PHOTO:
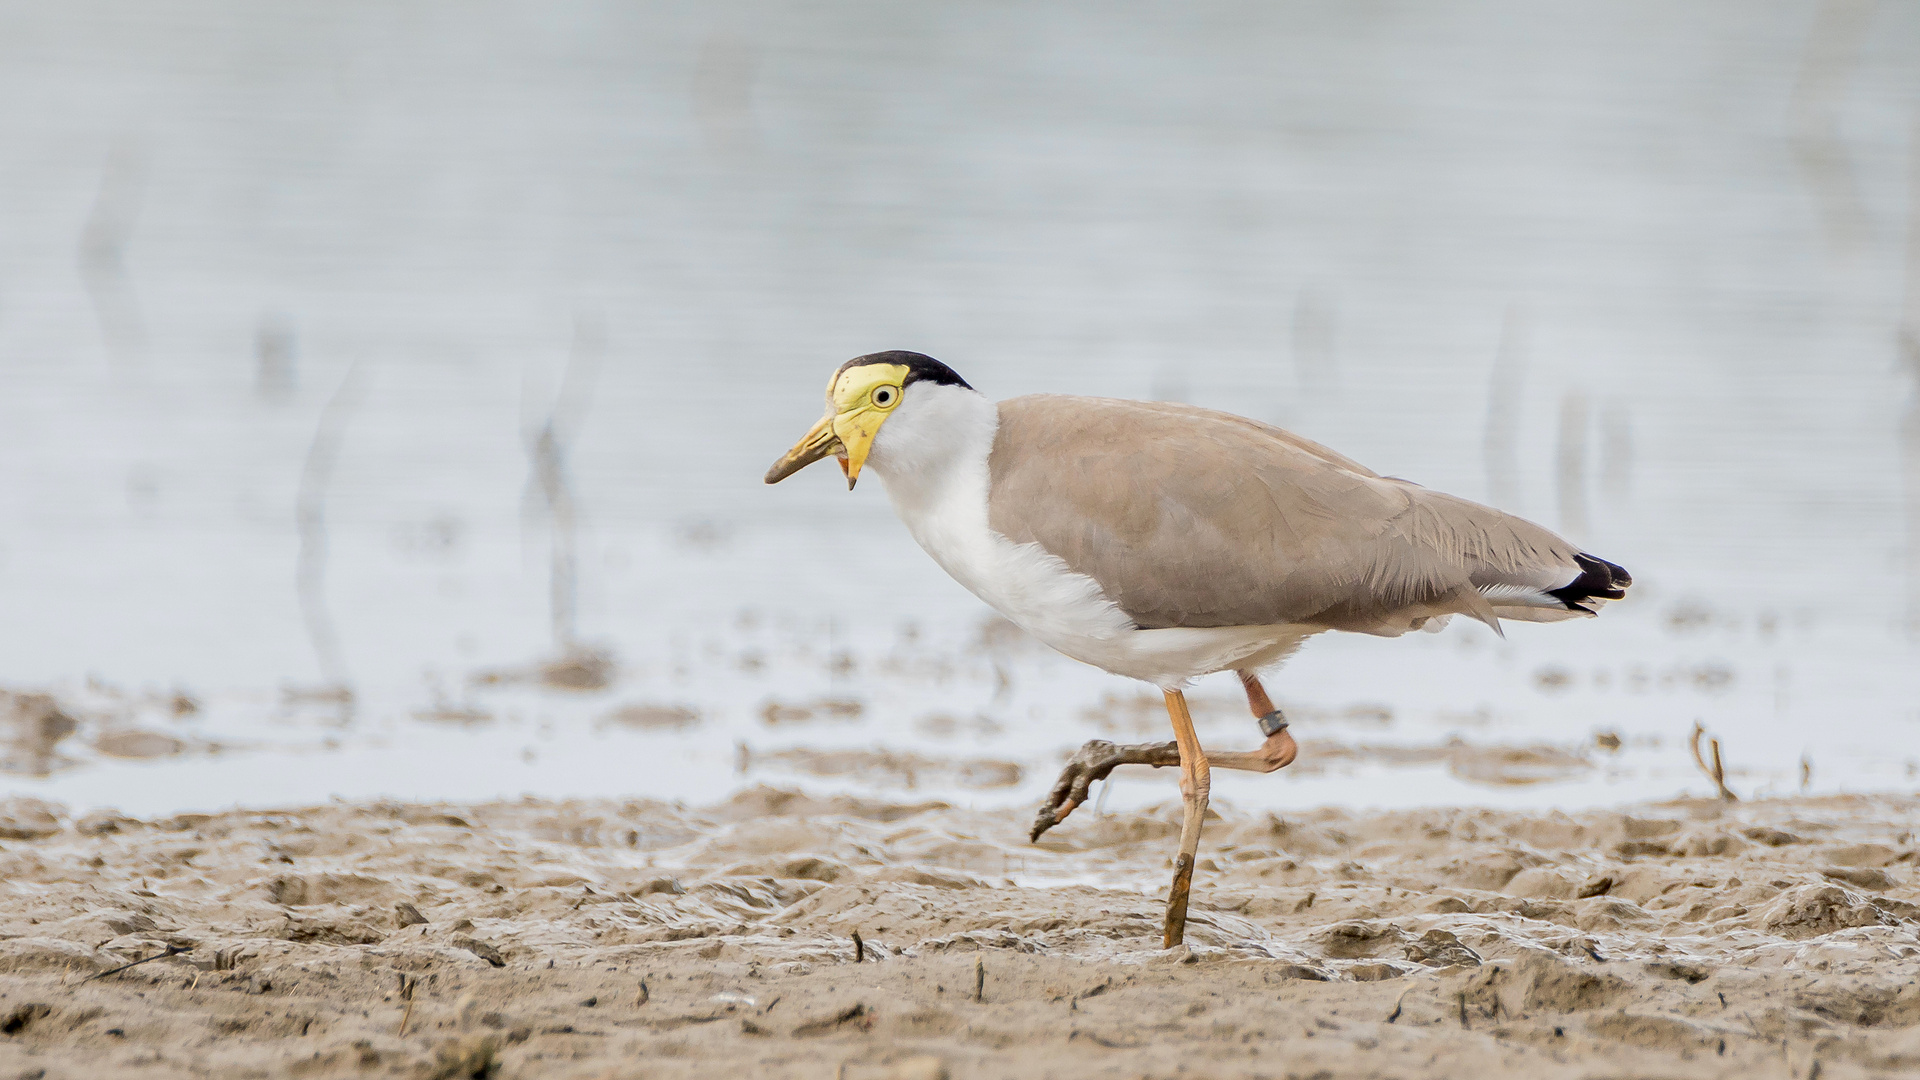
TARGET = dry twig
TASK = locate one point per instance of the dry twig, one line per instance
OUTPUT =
(407, 983)
(309, 515)
(172, 950)
(103, 247)
(547, 446)
(1715, 772)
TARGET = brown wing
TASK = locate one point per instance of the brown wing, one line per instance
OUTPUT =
(1190, 517)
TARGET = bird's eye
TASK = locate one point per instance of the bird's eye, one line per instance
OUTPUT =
(885, 397)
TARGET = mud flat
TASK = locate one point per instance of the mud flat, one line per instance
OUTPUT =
(631, 939)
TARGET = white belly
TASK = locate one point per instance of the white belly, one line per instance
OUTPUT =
(945, 508)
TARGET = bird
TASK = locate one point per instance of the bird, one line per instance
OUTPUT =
(1164, 542)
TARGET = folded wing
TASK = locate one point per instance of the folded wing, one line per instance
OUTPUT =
(1190, 517)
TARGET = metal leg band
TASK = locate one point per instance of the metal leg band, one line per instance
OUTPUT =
(1273, 723)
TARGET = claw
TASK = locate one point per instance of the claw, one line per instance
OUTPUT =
(1048, 817)
(1043, 821)
(1089, 763)
(1092, 762)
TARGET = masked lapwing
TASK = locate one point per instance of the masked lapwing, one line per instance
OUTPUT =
(1164, 542)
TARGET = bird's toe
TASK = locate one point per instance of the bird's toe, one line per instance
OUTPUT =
(1091, 762)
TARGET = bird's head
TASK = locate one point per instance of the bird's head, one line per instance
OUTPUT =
(860, 397)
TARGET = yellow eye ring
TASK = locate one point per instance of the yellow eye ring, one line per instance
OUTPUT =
(885, 397)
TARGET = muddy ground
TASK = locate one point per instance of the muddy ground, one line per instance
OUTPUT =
(639, 939)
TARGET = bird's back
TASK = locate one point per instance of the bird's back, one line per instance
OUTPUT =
(1192, 517)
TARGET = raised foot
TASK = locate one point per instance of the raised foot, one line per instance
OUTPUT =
(1090, 763)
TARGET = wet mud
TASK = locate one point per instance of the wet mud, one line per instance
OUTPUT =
(595, 939)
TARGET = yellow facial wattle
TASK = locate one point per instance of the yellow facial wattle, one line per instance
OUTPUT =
(859, 400)
(862, 398)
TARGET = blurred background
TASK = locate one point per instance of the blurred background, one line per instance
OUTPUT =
(385, 388)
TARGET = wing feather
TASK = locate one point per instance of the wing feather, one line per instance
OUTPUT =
(1190, 517)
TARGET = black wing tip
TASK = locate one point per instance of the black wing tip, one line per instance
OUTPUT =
(1599, 579)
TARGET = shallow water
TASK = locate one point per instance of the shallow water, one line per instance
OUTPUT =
(1635, 273)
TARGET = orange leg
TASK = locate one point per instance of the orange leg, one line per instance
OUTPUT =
(1196, 783)
(1278, 751)
(1098, 757)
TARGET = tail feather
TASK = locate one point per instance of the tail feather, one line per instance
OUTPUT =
(1598, 580)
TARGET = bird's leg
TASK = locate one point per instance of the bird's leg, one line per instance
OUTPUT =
(1196, 782)
(1098, 757)
(1278, 751)
(1090, 763)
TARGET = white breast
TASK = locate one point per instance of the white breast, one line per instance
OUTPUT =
(932, 456)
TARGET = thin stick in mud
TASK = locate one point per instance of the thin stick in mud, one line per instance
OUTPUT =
(546, 448)
(1715, 772)
(309, 513)
(407, 983)
(172, 950)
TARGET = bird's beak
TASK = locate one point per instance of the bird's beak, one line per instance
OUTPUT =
(855, 431)
(817, 443)
(848, 434)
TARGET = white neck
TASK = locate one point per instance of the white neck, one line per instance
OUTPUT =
(937, 437)
(933, 456)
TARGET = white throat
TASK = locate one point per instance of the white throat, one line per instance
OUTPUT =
(937, 437)
(932, 455)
